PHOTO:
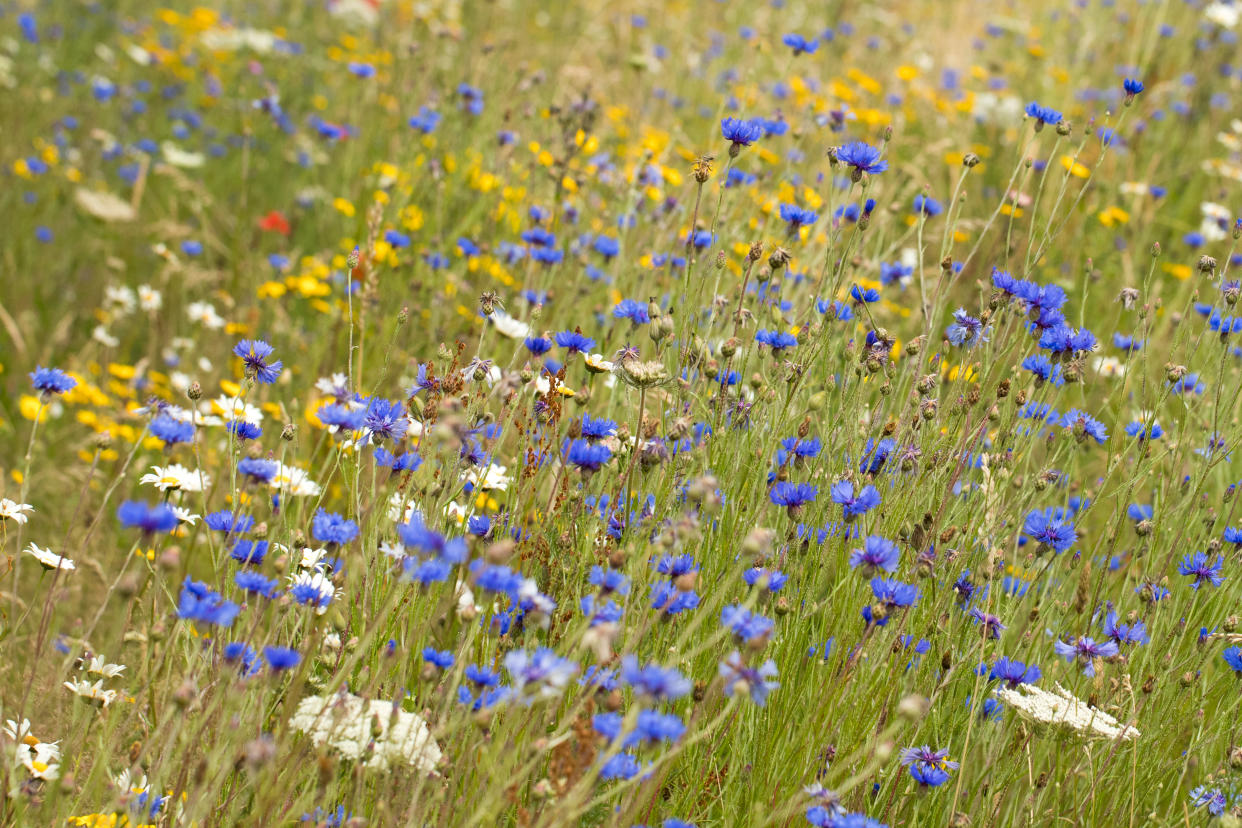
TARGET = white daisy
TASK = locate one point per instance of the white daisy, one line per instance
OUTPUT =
(294, 481)
(204, 313)
(493, 478)
(93, 693)
(49, 559)
(99, 666)
(14, 511)
(149, 299)
(176, 477)
(235, 408)
(507, 325)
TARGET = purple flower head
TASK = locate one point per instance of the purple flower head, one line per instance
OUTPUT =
(1086, 650)
(862, 158)
(876, 554)
(254, 353)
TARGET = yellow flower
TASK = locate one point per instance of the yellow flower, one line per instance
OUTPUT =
(344, 206)
(1112, 216)
(1075, 169)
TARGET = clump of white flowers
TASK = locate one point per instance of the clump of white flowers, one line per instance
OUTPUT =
(377, 733)
(1064, 709)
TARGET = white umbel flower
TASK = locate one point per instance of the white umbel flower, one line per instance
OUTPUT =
(377, 733)
(1061, 708)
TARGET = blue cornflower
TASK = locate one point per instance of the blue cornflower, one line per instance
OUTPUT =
(588, 456)
(653, 681)
(243, 430)
(740, 677)
(150, 519)
(537, 345)
(1048, 528)
(385, 419)
(1189, 384)
(426, 120)
(1086, 650)
(894, 594)
(620, 766)
(281, 658)
(853, 505)
(749, 627)
(1129, 344)
(439, 658)
(792, 495)
(876, 554)
(1132, 88)
(597, 428)
(928, 767)
(254, 353)
(341, 417)
(632, 310)
(1233, 657)
(740, 133)
(670, 600)
(1211, 798)
(171, 431)
(1044, 369)
(410, 461)
(992, 626)
(50, 381)
(479, 526)
(1139, 512)
(226, 521)
(966, 330)
(1225, 325)
(1135, 633)
(928, 776)
(198, 603)
(927, 206)
(674, 566)
(329, 527)
(797, 217)
(575, 342)
(243, 655)
(1203, 569)
(1143, 431)
(258, 469)
(895, 273)
(862, 158)
(1233, 535)
(249, 552)
(250, 581)
(609, 581)
(606, 246)
(1084, 425)
(1042, 115)
(799, 44)
(544, 670)
(864, 295)
(1014, 672)
(778, 341)
(775, 578)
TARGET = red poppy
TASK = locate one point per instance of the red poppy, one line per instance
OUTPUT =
(275, 221)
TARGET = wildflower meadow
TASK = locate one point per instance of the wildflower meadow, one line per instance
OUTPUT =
(697, 413)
